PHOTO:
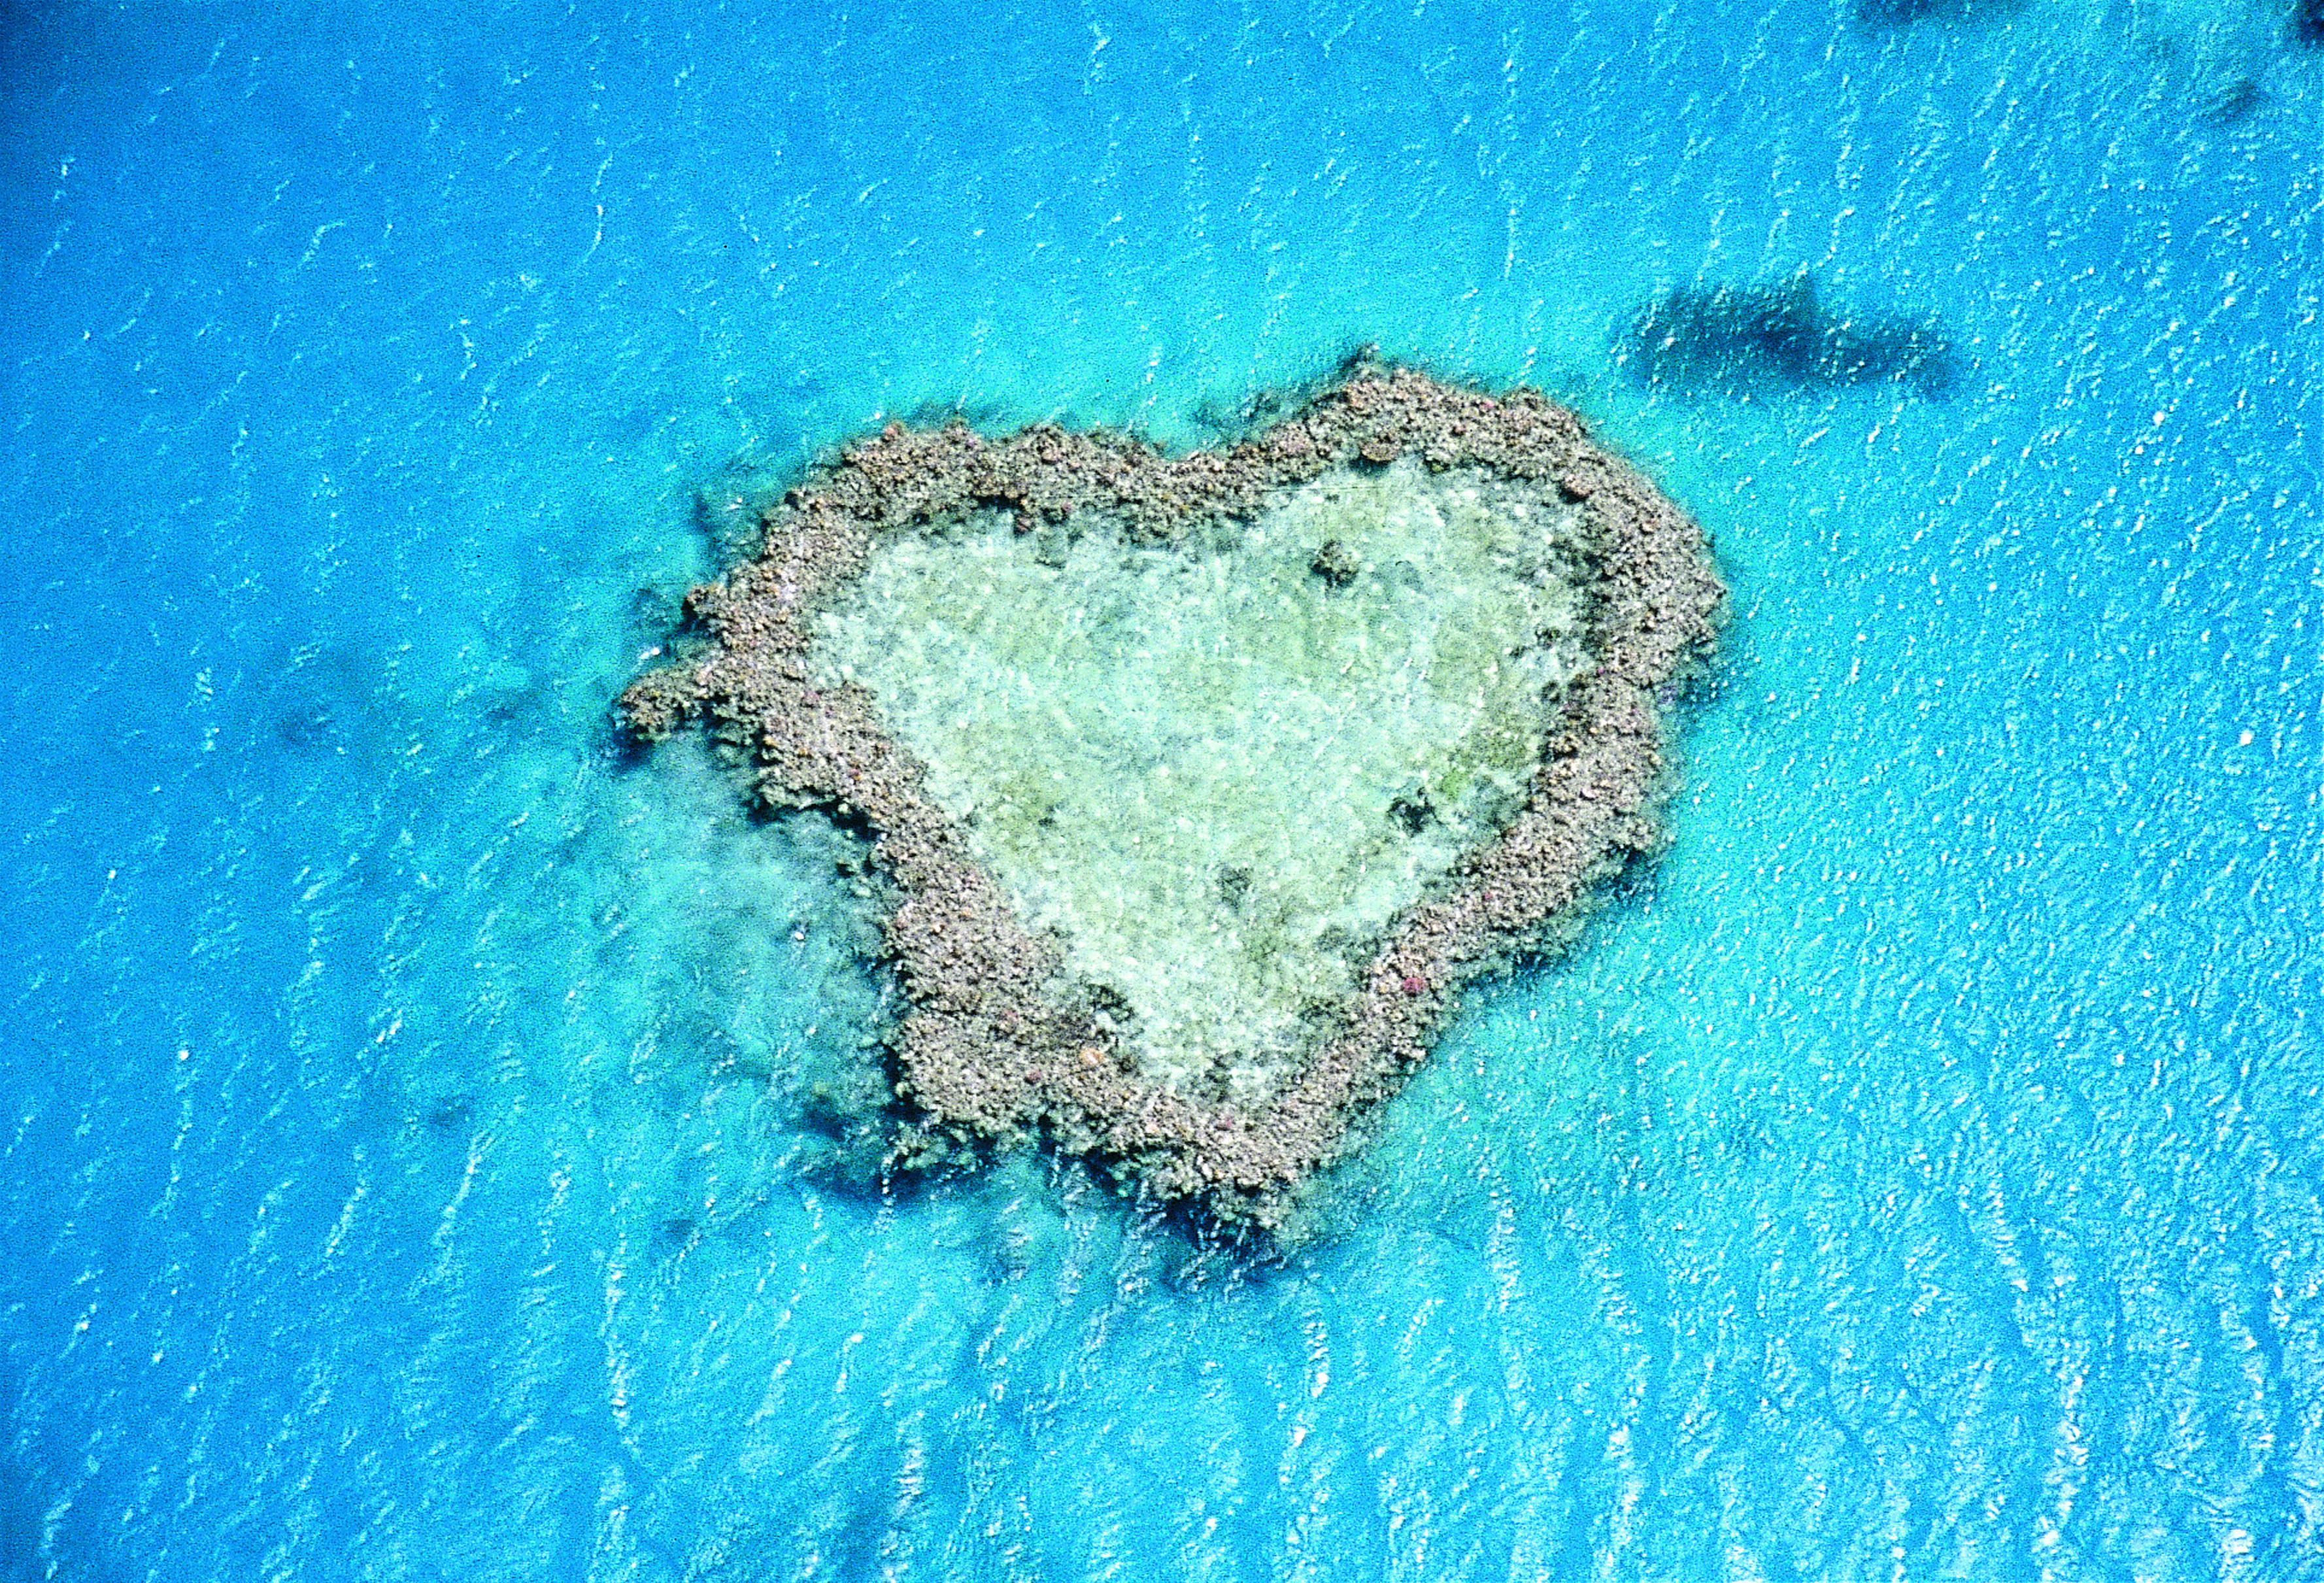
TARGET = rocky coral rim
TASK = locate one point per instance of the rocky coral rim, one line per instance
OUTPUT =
(989, 1048)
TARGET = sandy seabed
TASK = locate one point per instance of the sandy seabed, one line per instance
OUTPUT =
(1008, 1033)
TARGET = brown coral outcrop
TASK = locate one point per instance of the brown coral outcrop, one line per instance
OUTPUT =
(996, 1045)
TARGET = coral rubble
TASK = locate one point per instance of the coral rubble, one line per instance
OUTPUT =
(1201, 784)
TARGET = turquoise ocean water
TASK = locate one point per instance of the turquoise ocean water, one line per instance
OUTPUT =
(1918, 1172)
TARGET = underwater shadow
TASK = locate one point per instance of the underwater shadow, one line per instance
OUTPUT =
(1781, 341)
(1906, 13)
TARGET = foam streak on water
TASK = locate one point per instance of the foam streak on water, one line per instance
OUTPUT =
(418, 1125)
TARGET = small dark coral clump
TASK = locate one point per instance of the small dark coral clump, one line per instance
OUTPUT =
(1335, 564)
(2306, 26)
(1781, 340)
(996, 1043)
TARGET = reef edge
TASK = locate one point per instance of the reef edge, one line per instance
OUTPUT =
(992, 1049)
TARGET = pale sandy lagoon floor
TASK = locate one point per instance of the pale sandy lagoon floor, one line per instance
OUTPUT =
(1215, 773)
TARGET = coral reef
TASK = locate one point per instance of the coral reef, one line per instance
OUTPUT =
(1200, 784)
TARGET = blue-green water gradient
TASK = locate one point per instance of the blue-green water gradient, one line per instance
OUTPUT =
(409, 1170)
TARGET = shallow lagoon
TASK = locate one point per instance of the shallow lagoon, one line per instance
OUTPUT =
(1219, 773)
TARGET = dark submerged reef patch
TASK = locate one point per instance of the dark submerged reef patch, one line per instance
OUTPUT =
(1781, 340)
(2240, 99)
(1906, 13)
